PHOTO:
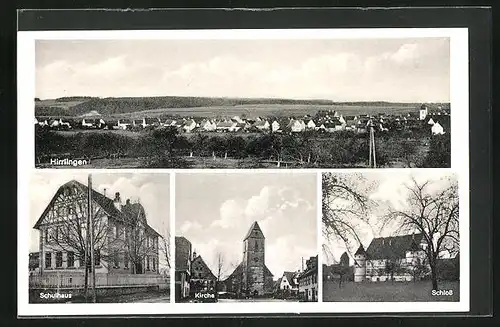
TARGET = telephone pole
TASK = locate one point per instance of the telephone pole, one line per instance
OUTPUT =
(91, 233)
(372, 156)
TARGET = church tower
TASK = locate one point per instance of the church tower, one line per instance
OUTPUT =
(254, 260)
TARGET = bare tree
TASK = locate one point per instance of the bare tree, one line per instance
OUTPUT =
(165, 248)
(67, 230)
(434, 214)
(344, 205)
(220, 265)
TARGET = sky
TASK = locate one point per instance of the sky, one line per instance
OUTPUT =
(215, 211)
(387, 189)
(396, 70)
(151, 190)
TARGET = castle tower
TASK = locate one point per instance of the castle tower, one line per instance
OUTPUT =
(360, 264)
(254, 260)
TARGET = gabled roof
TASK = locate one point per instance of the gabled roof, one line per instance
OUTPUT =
(200, 260)
(128, 214)
(255, 230)
(226, 124)
(290, 276)
(360, 250)
(394, 247)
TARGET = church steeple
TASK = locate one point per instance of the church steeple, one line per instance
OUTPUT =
(254, 232)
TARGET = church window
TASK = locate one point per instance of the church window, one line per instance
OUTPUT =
(255, 259)
(256, 245)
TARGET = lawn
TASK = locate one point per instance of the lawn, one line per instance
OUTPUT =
(388, 292)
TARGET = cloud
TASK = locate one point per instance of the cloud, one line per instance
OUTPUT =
(230, 213)
(388, 72)
(188, 225)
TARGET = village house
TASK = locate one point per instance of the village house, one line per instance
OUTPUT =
(289, 285)
(251, 277)
(208, 125)
(390, 258)
(333, 125)
(201, 276)
(125, 245)
(296, 125)
(262, 124)
(311, 125)
(226, 126)
(275, 126)
(440, 125)
(93, 123)
(124, 124)
(60, 124)
(189, 125)
(308, 281)
(183, 254)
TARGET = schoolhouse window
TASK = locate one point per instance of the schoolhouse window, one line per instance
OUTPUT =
(116, 260)
(59, 259)
(97, 257)
(70, 259)
(48, 259)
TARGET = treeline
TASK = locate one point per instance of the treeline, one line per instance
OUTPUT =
(167, 148)
(108, 106)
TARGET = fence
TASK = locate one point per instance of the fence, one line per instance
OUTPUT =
(102, 280)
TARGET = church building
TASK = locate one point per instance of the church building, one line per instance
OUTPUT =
(252, 277)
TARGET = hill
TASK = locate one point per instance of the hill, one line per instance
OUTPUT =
(79, 105)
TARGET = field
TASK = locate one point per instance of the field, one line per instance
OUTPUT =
(388, 292)
(248, 110)
(267, 110)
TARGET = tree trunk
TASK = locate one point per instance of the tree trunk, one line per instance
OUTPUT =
(434, 278)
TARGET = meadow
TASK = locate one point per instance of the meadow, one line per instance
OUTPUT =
(419, 291)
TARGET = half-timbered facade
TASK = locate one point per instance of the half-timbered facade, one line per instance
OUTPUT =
(124, 243)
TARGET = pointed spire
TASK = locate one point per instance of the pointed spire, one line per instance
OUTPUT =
(361, 250)
(254, 229)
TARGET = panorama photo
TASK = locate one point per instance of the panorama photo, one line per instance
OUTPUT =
(243, 103)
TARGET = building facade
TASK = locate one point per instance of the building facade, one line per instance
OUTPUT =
(125, 246)
(251, 277)
(183, 254)
(398, 258)
(202, 278)
(308, 281)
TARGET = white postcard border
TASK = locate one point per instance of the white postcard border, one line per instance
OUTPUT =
(459, 159)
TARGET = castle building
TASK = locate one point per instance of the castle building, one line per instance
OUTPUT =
(251, 277)
(398, 258)
(124, 243)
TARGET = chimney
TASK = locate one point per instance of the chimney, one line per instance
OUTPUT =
(127, 202)
(117, 201)
(194, 255)
(104, 192)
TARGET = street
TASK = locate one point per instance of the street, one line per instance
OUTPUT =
(254, 300)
